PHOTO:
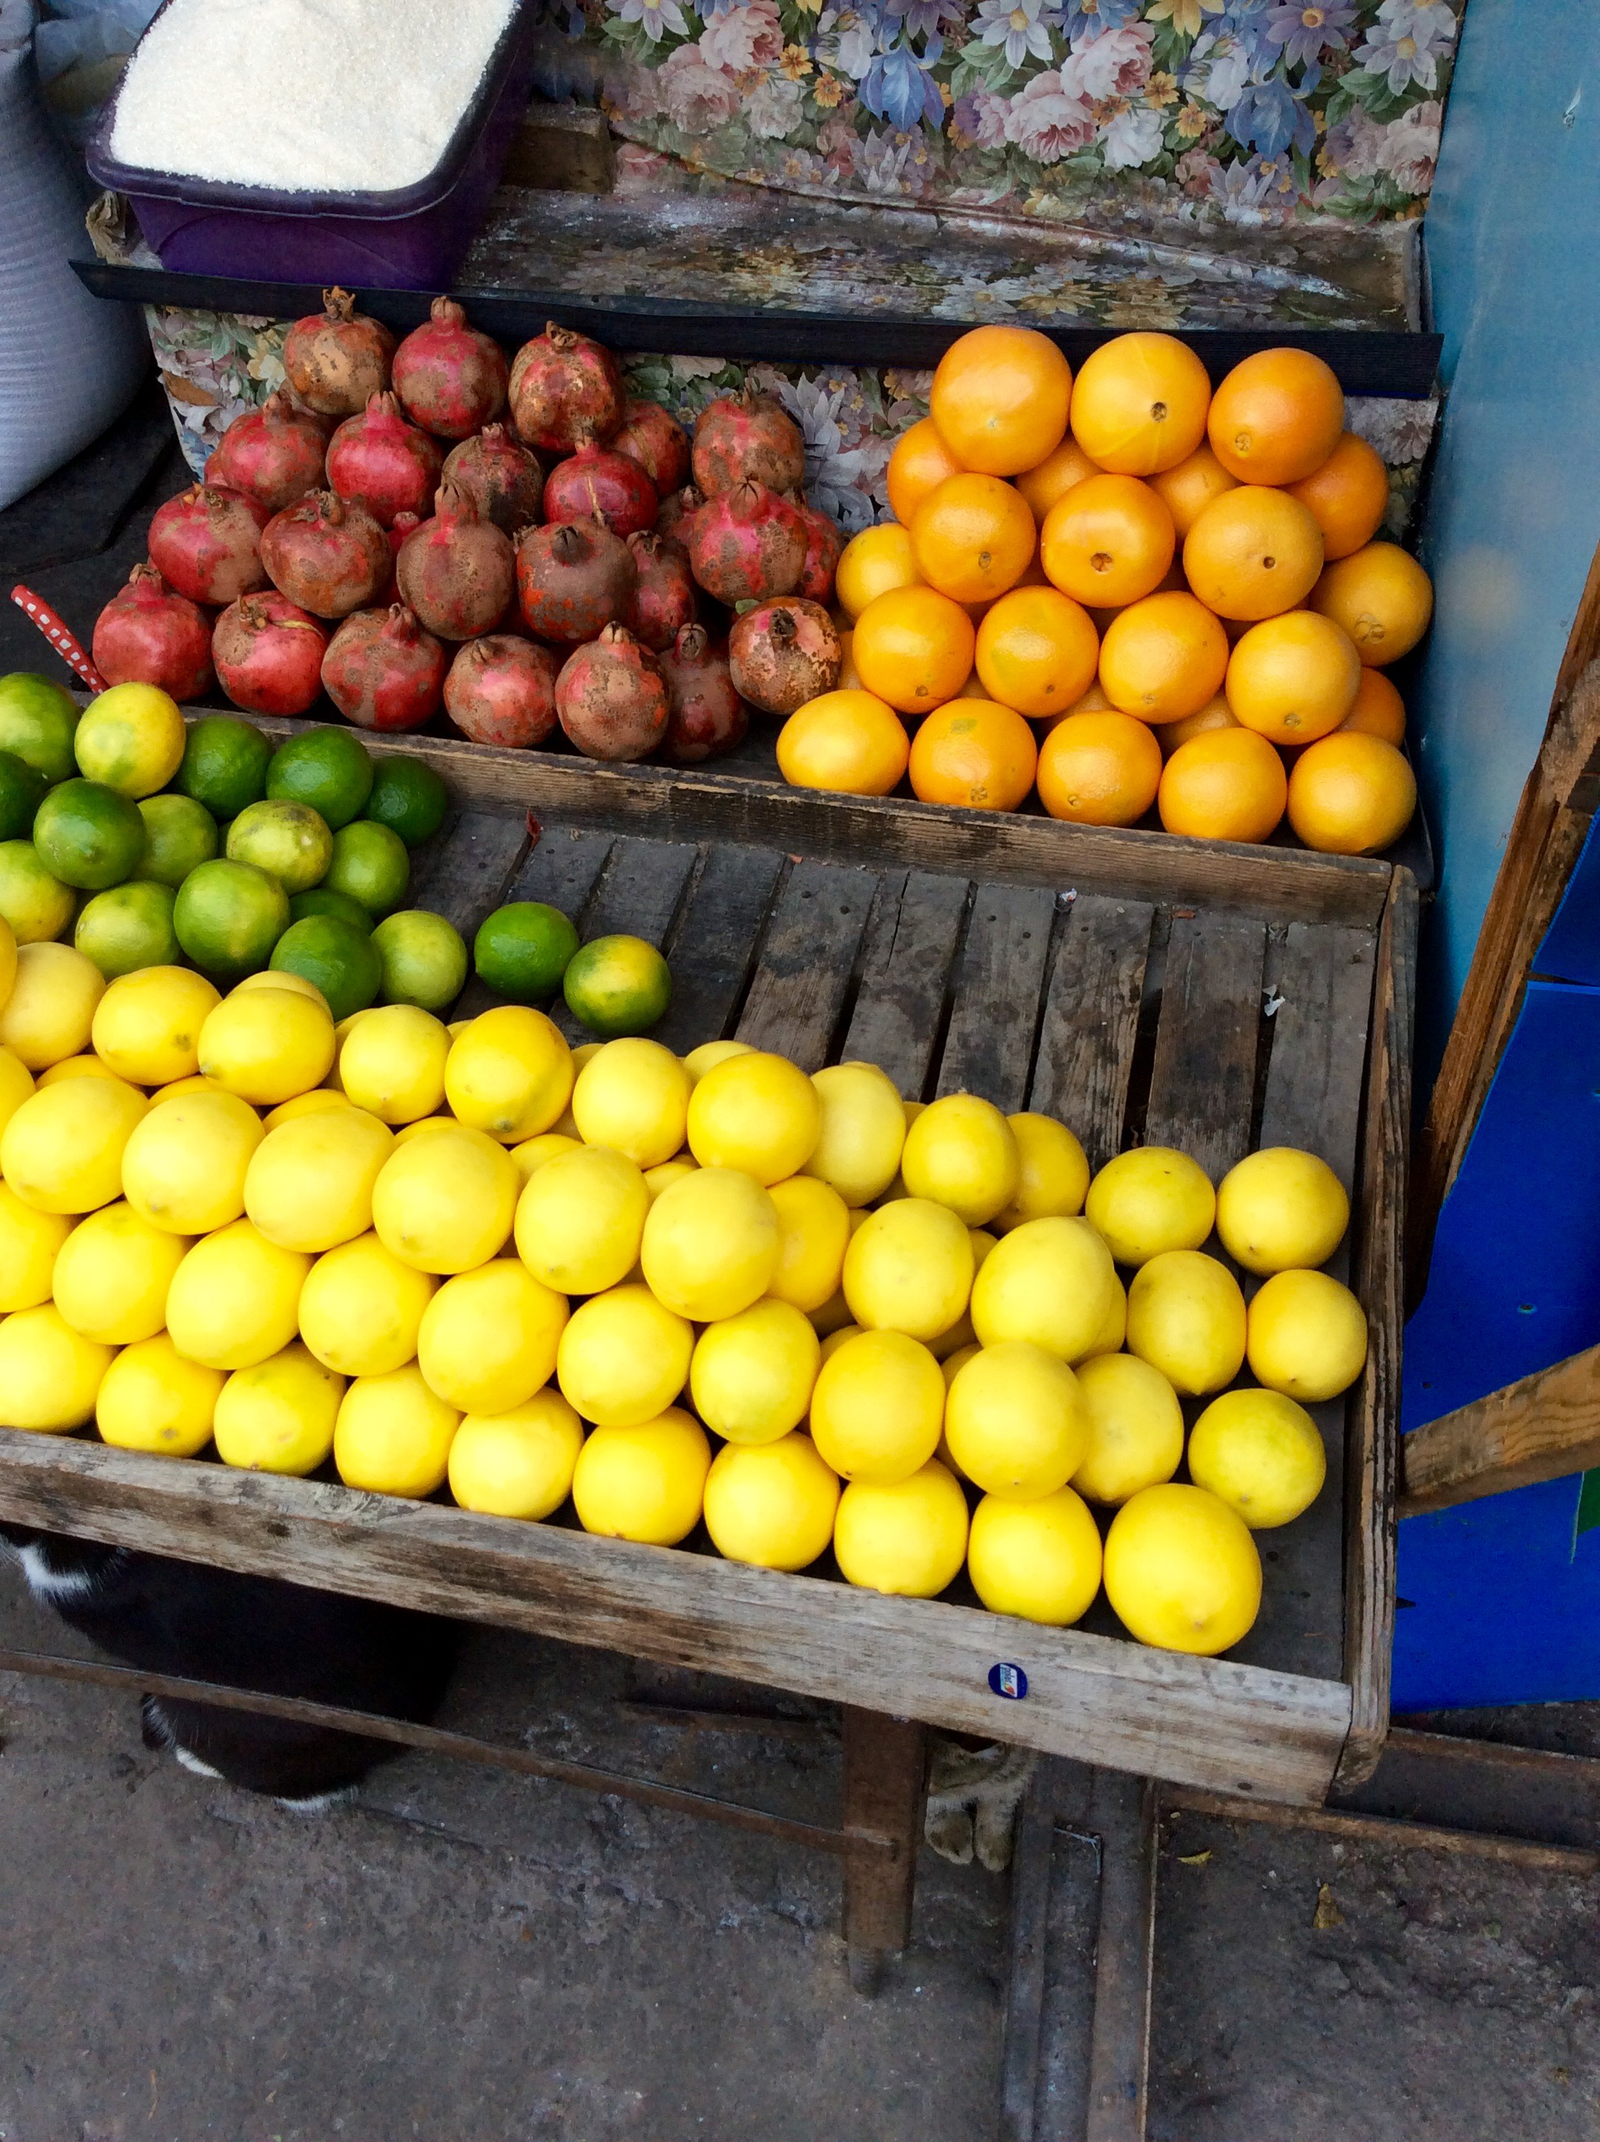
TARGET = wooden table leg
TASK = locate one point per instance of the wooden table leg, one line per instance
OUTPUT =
(885, 1792)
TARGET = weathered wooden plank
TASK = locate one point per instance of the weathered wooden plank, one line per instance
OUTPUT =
(885, 1794)
(806, 962)
(559, 869)
(1032, 1865)
(1315, 1075)
(1123, 1814)
(1091, 1020)
(988, 1049)
(714, 942)
(1202, 1086)
(472, 869)
(905, 971)
(636, 894)
(1542, 1427)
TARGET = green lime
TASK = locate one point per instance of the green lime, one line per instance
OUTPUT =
(522, 951)
(131, 738)
(37, 721)
(224, 764)
(36, 905)
(180, 835)
(409, 798)
(617, 985)
(21, 790)
(229, 916)
(323, 900)
(338, 956)
(328, 768)
(87, 835)
(370, 864)
(128, 927)
(289, 839)
(424, 960)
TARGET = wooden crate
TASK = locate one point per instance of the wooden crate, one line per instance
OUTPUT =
(1137, 986)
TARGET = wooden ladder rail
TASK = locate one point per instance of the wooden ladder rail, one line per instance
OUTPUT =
(1543, 1427)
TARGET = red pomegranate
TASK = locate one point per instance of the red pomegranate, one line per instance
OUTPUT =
(382, 671)
(564, 388)
(147, 635)
(384, 463)
(338, 359)
(707, 715)
(664, 598)
(451, 378)
(747, 544)
(747, 438)
(612, 697)
(327, 554)
(502, 690)
(824, 545)
(572, 579)
(504, 481)
(206, 543)
(657, 441)
(273, 454)
(400, 528)
(780, 654)
(677, 515)
(457, 571)
(594, 484)
(269, 654)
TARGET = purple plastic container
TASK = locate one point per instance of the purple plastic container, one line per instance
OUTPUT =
(409, 239)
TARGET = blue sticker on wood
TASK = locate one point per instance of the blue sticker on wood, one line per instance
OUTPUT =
(1008, 1680)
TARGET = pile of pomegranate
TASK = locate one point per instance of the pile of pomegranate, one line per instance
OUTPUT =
(424, 527)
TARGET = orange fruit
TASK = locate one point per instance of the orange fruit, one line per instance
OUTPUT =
(975, 688)
(1108, 542)
(913, 647)
(1276, 417)
(1252, 553)
(1379, 710)
(1093, 701)
(1383, 599)
(1000, 399)
(1349, 495)
(1351, 794)
(1293, 678)
(1215, 714)
(848, 680)
(1099, 769)
(1187, 490)
(872, 563)
(1037, 651)
(1055, 476)
(1139, 404)
(972, 537)
(919, 464)
(973, 752)
(1228, 784)
(847, 741)
(1163, 658)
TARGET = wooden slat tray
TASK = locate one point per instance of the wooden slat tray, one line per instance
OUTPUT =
(1194, 1000)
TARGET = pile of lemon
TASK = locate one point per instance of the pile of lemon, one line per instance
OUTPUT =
(799, 1307)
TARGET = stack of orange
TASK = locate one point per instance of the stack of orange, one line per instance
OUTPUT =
(1128, 591)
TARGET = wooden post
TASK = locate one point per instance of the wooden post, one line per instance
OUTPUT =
(1122, 1812)
(885, 1792)
(1541, 1428)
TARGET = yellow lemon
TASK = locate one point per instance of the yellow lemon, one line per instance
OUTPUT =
(320, 1101)
(424, 1127)
(873, 562)
(266, 1044)
(710, 1244)
(1149, 1200)
(49, 1373)
(30, 1242)
(813, 1234)
(235, 1298)
(1307, 1336)
(909, 1268)
(181, 1086)
(833, 1316)
(309, 1183)
(518, 1463)
(632, 1095)
(963, 1153)
(835, 1339)
(1053, 1173)
(278, 1416)
(757, 1113)
(1015, 1422)
(361, 1308)
(907, 1537)
(509, 1073)
(1048, 1281)
(1261, 1454)
(1135, 1428)
(1109, 1338)
(392, 1063)
(62, 1150)
(1181, 1570)
(154, 1398)
(488, 1338)
(751, 1375)
(185, 1164)
(393, 1435)
(8, 958)
(113, 1272)
(283, 978)
(50, 1011)
(961, 1333)
(1186, 1318)
(16, 1083)
(878, 1407)
(645, 1481)
(580, 1219)
(623, 1357)
(710, 1053)
(666, 1173)
(147, 1025)
(1281, 1210)
(446, 1203)
(131, 738)
(529, 1157)
(863, 1129)
(950, 1368)
(771, 1505)
(1038, 1560)
(77, 1067)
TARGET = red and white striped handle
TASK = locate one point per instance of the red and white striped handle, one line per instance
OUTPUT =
(57, 634)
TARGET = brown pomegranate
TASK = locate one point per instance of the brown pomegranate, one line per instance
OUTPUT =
(384, 463)
(273, 454)
(564, 389)
(747, 438)
(572, 579)
(451, 378)
(655, 439)
(824, 544)
(677, 514)
(612, 697)
(269, 654)
(400, 528)
(326, 553)
(206, 543)
(747, 544)
(503, 480)
(707, 715)
(664, 597)
(338, 359)
(457, 572)
(780, 654)
(502, 690)
(382, 671)
(594, 484)
(148, 635)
